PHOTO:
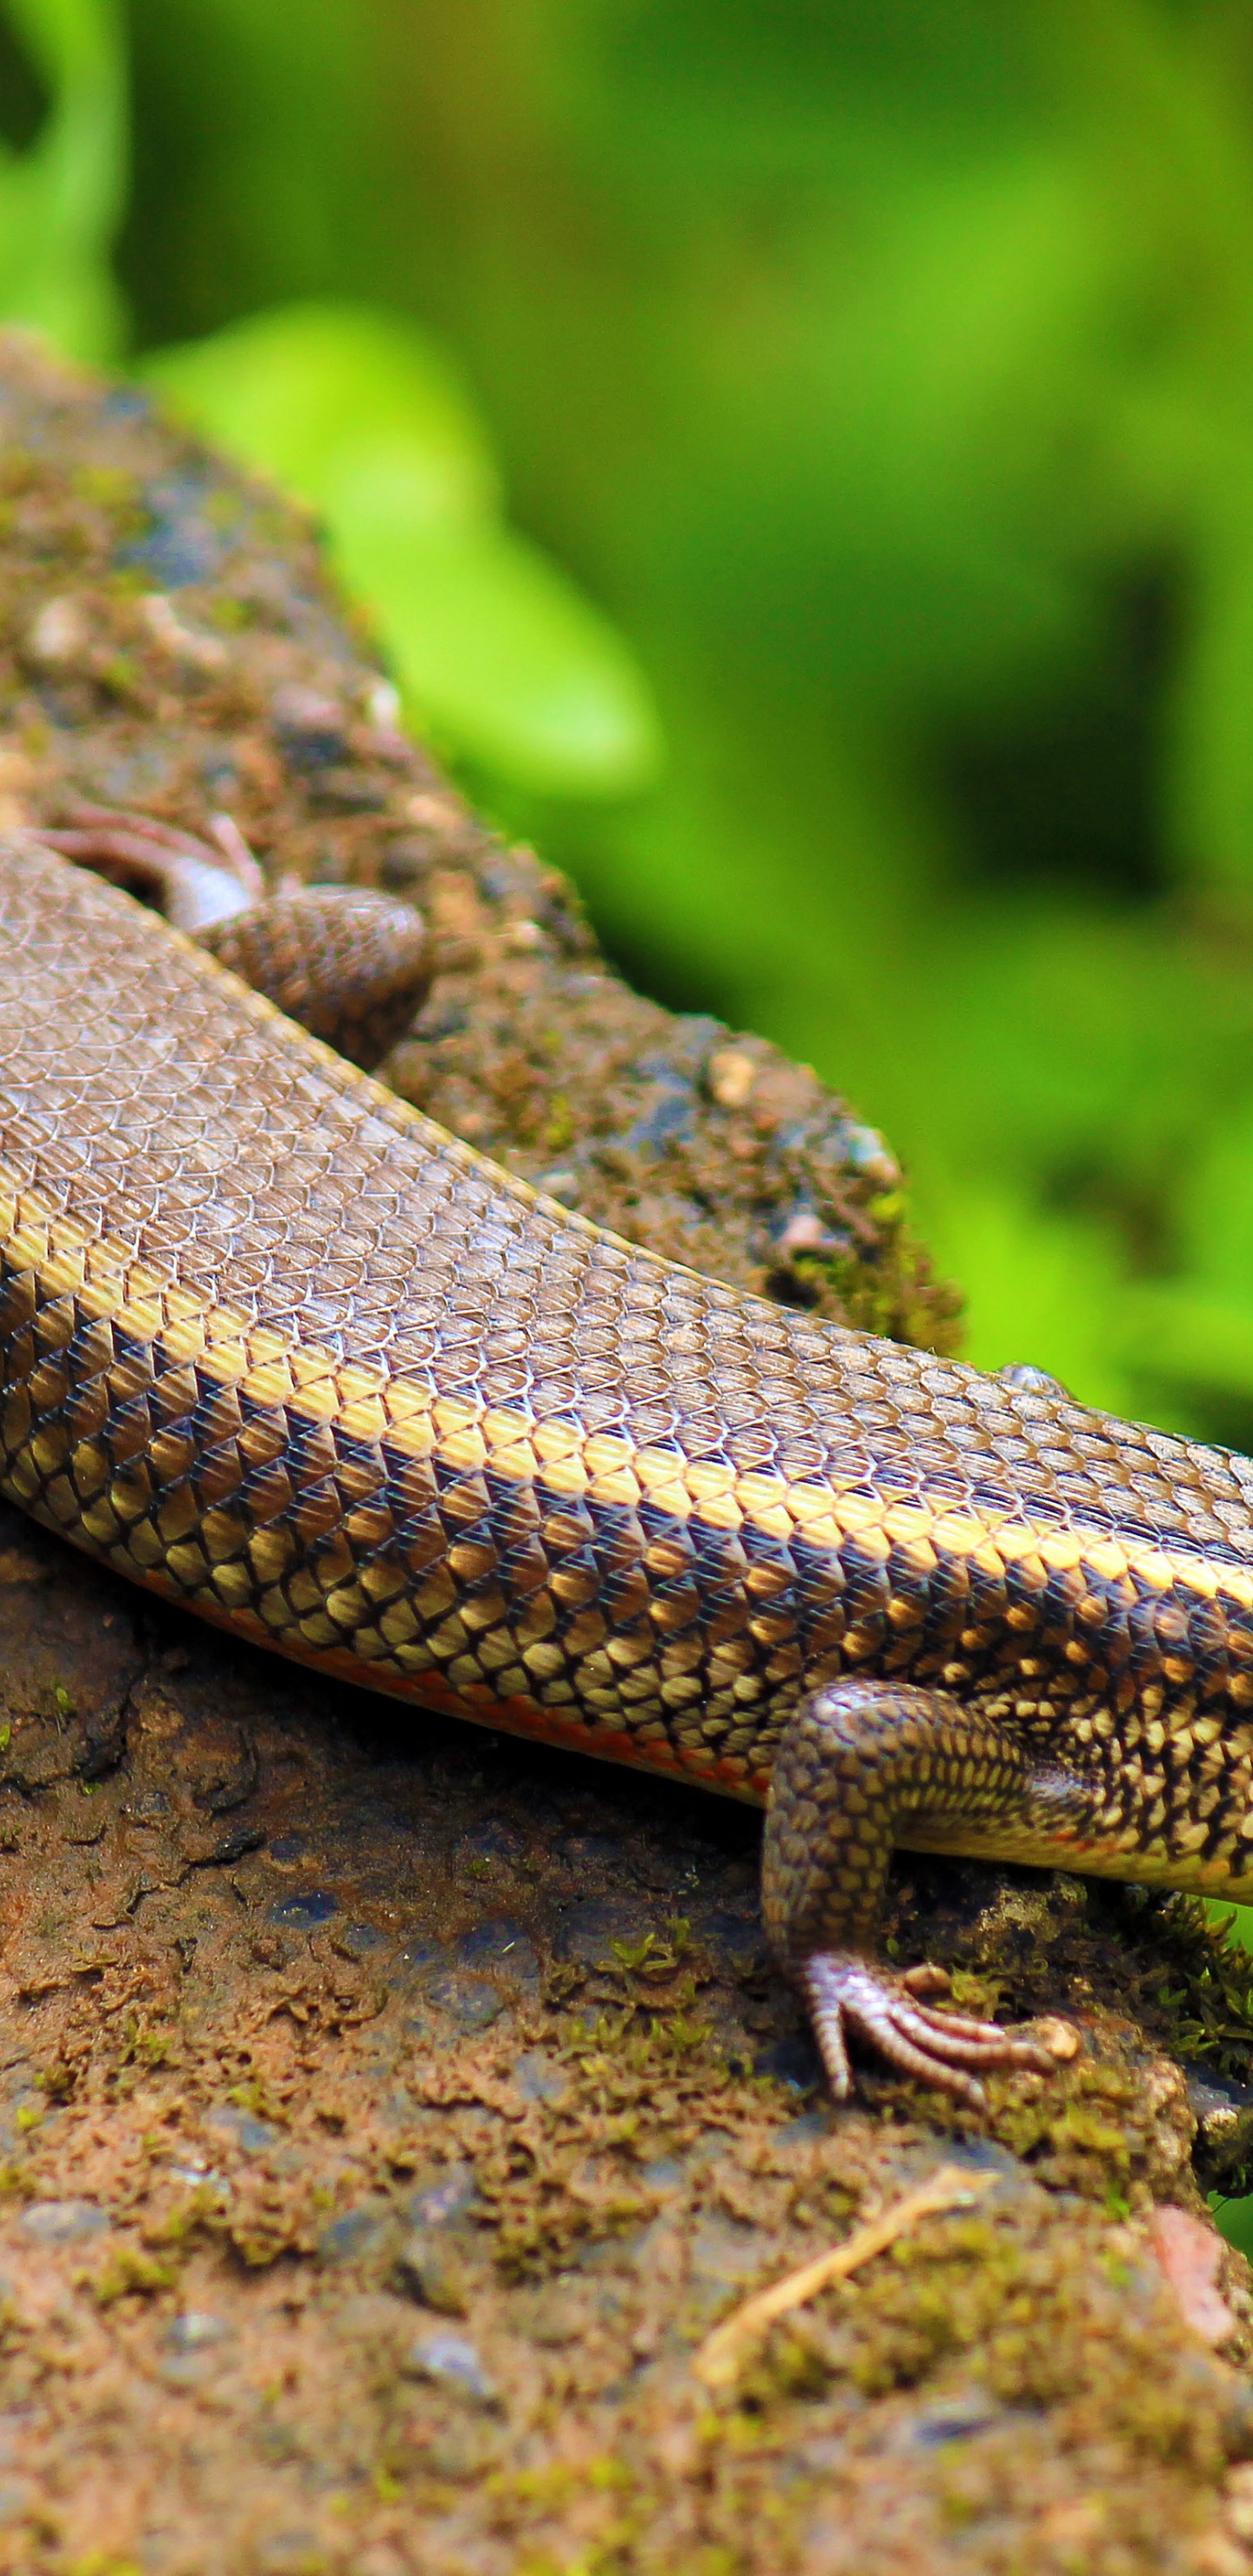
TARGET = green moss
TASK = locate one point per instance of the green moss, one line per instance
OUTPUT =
(132, 2274)
(1199, 1981)
(559, 1129)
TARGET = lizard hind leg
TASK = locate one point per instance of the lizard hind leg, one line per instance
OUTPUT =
(861, 1766)
(351, 965)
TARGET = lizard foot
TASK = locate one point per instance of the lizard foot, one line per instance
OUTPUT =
(194, 883)
(351, 965)
(847, 1994)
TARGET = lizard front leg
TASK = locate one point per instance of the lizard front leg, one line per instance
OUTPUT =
(862, 1767)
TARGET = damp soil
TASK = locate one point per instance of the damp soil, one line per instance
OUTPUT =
(389, 2111)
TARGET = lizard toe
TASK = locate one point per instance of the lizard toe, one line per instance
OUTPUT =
(948, 2051)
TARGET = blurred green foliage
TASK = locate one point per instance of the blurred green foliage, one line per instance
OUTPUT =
(885, 374)
(61, 195)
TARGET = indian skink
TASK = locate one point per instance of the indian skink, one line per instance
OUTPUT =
(279, 1348)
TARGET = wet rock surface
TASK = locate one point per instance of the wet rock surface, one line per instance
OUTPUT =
(376, 2172)
(389, 2110)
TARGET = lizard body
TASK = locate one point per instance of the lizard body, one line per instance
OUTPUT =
(282, 1350)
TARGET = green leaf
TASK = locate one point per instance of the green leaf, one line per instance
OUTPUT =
(349, 409)
(1234, 2220)
(60, 200)
(495, 650)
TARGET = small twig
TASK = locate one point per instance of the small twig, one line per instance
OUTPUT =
(723, 2354)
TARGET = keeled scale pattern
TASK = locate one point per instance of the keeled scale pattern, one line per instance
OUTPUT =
(278, 1346)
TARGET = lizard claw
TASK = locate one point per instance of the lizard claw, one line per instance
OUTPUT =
(848, 1994)
(194, 883)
